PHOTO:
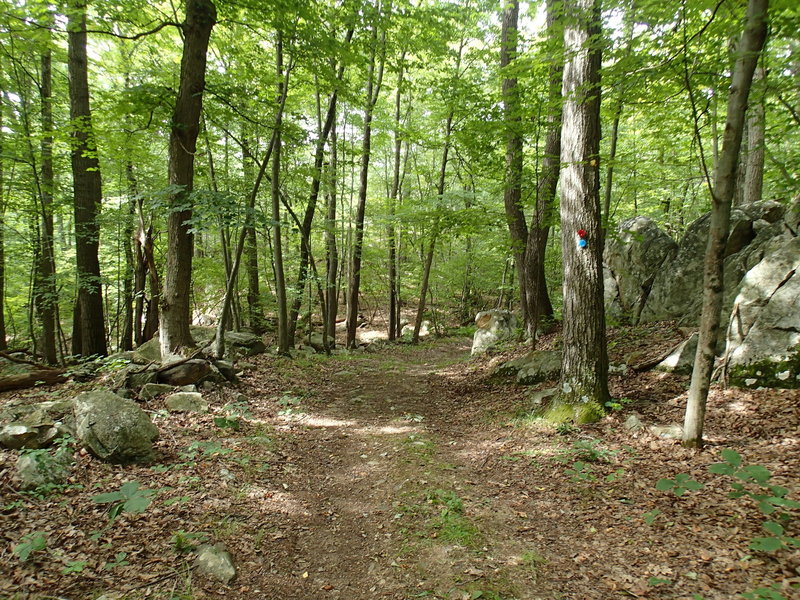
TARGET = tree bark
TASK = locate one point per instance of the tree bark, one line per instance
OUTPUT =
(331, 252)
(175, 308)
(280, 279)
(45, 296)
(3, 343)
(87, 190)
(756, 125)
(374, 81)
(748, 51)
(584, 373)
(512, 121)
(536, 295)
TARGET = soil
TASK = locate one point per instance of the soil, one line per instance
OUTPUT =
(411, 472)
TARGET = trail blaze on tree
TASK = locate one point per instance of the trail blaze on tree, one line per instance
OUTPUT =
(584, 375)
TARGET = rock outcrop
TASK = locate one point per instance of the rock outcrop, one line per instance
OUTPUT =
(763, 343)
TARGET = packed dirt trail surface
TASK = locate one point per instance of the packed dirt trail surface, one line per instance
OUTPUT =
(406, 472)
(383, 487)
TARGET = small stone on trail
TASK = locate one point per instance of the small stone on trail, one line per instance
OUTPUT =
(215, 561)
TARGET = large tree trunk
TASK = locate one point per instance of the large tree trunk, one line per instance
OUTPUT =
(45, 295)
(175, 308)
(584, 373)
(87, 190)
(748, 51)
(374, 81)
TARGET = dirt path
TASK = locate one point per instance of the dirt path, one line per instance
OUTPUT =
(387, 491)
(405, 472)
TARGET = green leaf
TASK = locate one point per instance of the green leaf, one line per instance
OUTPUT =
(129, 488)
(137, 504)
(766, 544)
(33, 542)
(665, 485)
(721, 469)
(757, 473)
(654, 581)
(772, 527)
(731, 457)
(108, 497)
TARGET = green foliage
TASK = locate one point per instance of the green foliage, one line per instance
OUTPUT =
(31, 543)
(118, 561)
(589, 451)
(227, 423)
(74, 566)
(753, 481)
(580, 471)
(680, 485)
(128, 499)
(451, 525)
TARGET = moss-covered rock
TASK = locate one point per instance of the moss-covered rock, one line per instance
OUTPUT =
(768, 373)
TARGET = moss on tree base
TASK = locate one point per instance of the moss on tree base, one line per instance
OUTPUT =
(560, 411)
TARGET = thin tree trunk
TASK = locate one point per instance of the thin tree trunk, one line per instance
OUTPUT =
(131, 268)
(175, 299)
(87, 190)
(45, 295)
(426, 273)
(3, 342)
(512, 122)
(584, 371)
(394, 308)
(311, 206)
(331, 252)
(748, 52)
(374, 82)
(537, 296)
(280, 279)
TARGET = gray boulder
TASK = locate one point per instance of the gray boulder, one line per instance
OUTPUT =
(41, 468)
(763, 344)
(34, 430)
(186, 402)
(492, 326)
(242, 343)
(635, 256)
(151, 390)
(681, 359)
(185, 373)
(677, 289)
(539, 365)
(114, 429)
(215, 562)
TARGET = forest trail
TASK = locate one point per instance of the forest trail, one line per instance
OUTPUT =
(387, 494)
(409, 472)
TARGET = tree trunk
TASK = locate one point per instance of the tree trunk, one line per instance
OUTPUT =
(131, 267)
(3, 343)
(584, 373)
(45, 294)
(331, 252)
(175, 308)
(748, 51)
(394, 192)
(374, 82)
(87, 190)
(512, 121)
(756, 124)
(537, 296)
(280, 279)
